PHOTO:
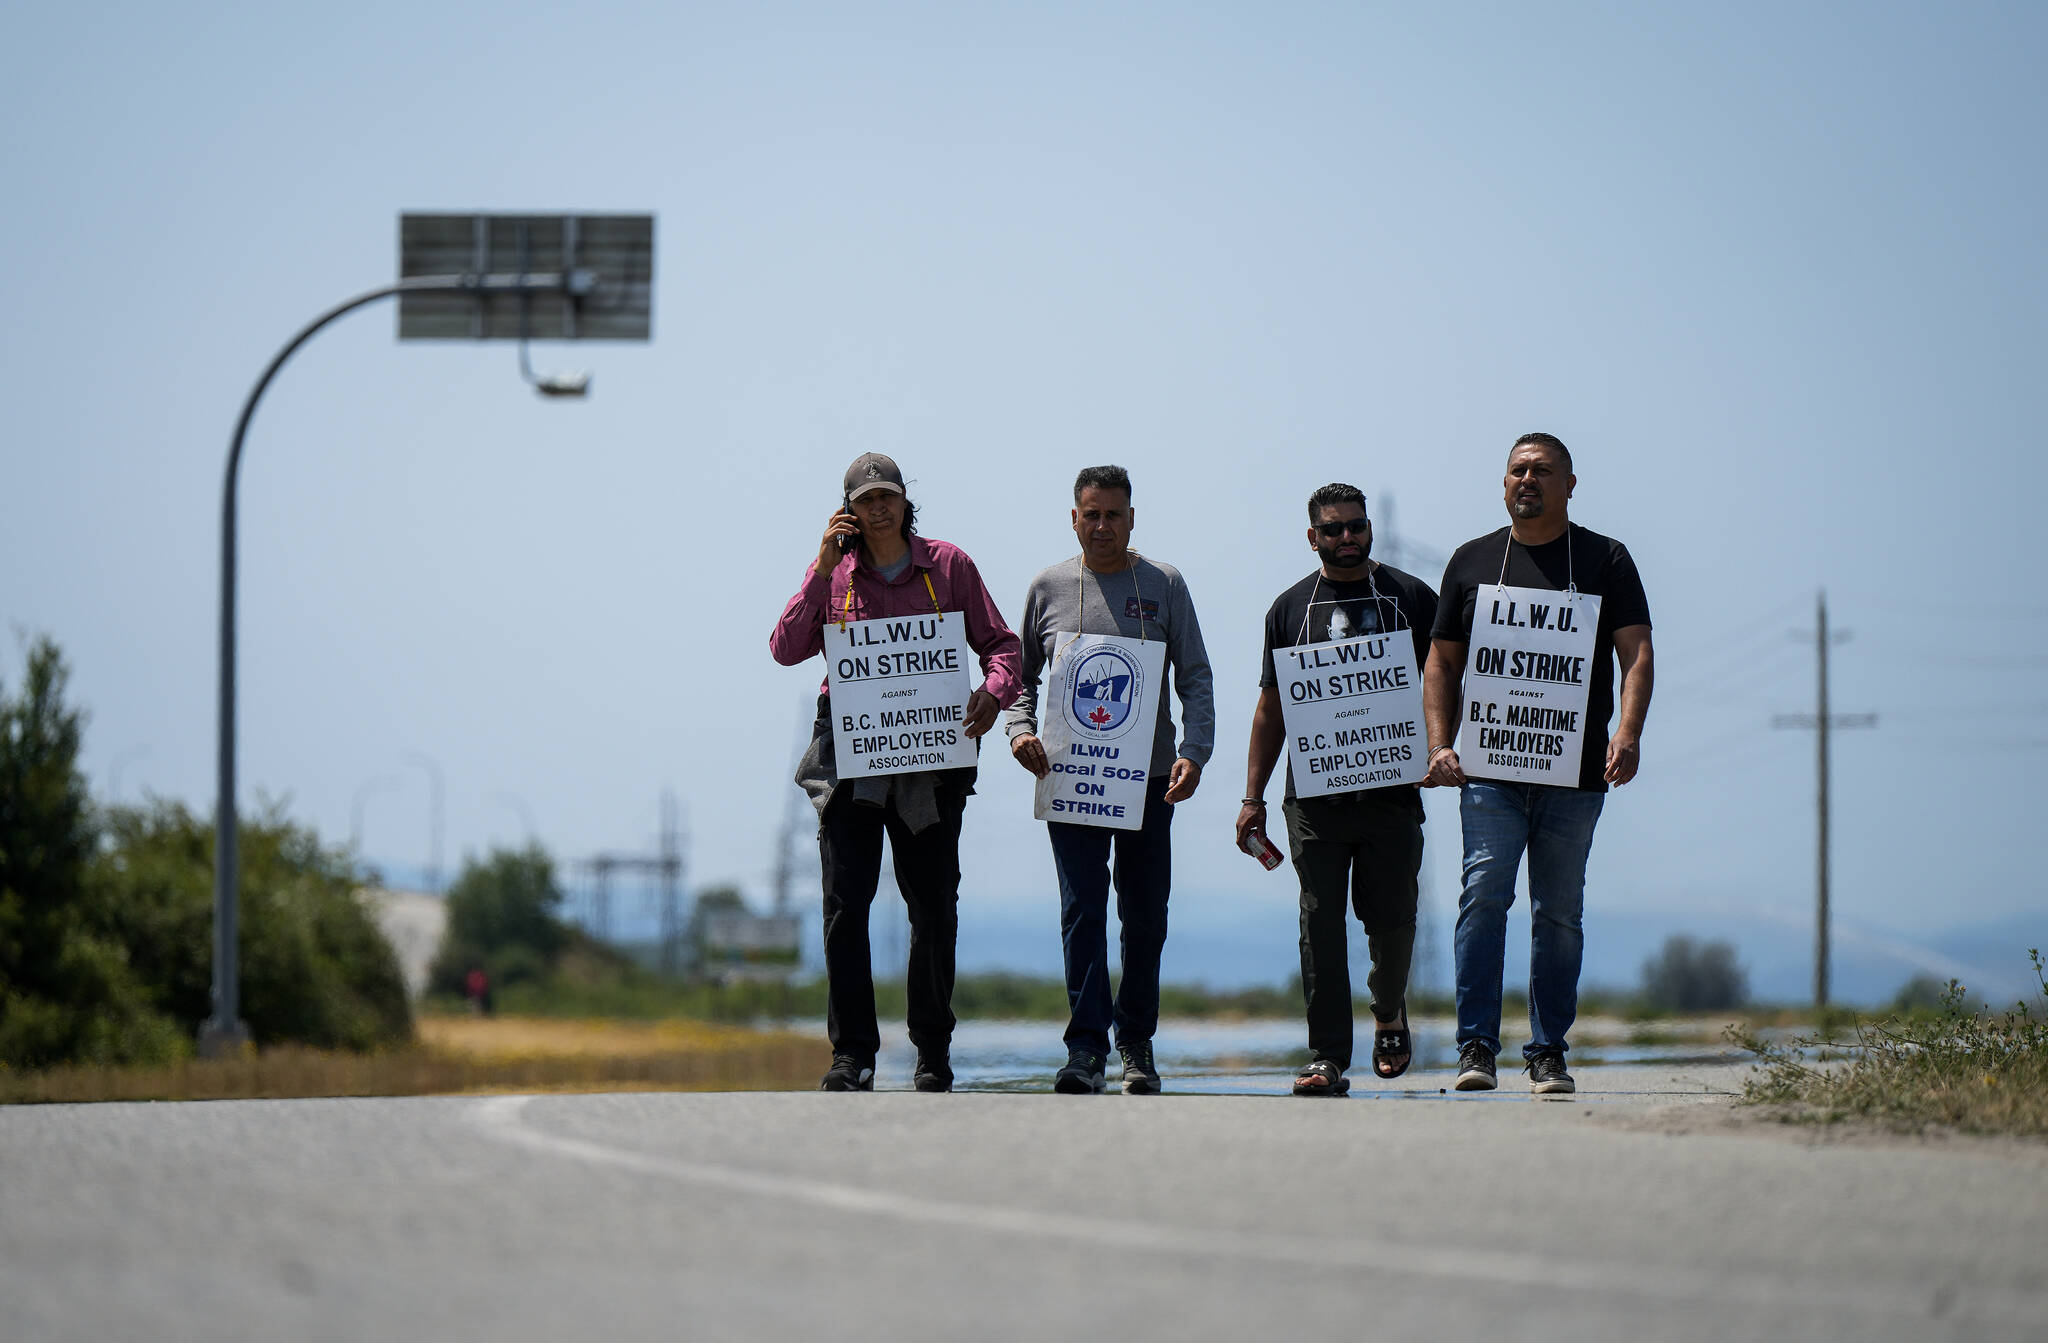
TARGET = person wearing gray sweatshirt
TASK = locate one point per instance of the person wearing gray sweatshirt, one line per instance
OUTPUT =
(1110, 589)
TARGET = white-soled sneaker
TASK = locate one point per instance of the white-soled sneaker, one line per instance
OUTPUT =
(1475, 1069)
(1547, 1076)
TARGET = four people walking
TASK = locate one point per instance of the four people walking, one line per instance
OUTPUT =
(1503, 689)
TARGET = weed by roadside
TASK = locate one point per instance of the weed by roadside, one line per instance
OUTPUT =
(1973, 1070)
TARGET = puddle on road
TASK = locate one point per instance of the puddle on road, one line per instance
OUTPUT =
(1258, 1058)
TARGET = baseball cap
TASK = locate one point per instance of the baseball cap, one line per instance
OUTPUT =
(872, 471)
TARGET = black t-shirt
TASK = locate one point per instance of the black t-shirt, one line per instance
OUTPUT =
(1346, 611)
(1600, 565)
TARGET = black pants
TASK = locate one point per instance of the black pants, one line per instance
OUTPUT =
(1143, 875)
(928, 875)
(1370, 842)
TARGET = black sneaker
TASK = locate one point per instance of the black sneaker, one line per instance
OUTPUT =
(1140, 1077)
(1082, 1076)
(1547, 1075)
(934, 1070)
(1475, 1068)
(848, 1073)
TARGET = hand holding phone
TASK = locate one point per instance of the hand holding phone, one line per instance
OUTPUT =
(848, 543)
(842, 533)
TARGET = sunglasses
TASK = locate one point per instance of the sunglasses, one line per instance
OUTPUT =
(1357, 527)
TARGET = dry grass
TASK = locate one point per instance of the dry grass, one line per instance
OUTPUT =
(465, 1054)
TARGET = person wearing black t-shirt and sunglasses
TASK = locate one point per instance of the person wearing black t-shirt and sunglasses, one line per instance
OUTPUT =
(1362, 848)
(1520, 728)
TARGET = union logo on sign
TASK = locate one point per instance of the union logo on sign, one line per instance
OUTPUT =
(1107, 688)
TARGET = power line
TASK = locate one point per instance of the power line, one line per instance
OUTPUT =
(1725, 686)
(1988, 661)
(1943, 608)
(1758, 637)
(1721, 745)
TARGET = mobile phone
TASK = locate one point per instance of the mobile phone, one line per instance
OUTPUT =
(847, 543)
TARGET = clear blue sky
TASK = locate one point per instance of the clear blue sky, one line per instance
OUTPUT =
(1774, 272)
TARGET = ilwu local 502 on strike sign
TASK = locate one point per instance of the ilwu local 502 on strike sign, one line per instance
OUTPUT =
(1099, 711)
(899, 694)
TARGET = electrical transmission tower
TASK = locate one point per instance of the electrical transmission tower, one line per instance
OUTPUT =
(794, 806)
(665, 867)
(1822, 722)
(1389, 546)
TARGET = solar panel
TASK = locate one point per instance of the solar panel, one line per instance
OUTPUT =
(615, 250)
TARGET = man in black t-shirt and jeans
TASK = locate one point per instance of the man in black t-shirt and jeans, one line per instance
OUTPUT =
(1366, 845)
(1502, 818)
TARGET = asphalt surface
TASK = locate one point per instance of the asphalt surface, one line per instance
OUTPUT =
(1399, 1213)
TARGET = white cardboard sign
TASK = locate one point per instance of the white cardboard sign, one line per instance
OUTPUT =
(1528, 673)
(1098, 713)
(1353, 709)
(899, 694)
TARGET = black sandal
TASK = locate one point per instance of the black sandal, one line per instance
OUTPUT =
(1389, 1043)
(1321, 1078)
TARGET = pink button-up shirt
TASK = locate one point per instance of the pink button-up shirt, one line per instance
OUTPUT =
(800, 634)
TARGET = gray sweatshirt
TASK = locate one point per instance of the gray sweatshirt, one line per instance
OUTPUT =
(1114, 604)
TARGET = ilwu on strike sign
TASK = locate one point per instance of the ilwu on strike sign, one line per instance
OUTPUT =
(1353, 709)
(899, 694)
(1526, 685)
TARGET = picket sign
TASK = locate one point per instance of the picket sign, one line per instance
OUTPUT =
(1527, 679)
(1100, 710)
(899, 689)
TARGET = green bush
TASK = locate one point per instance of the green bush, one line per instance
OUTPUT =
(1687, 976)
(106, 919)
(1923, 993)
(67, 989)
(315, 968)
(503, 917)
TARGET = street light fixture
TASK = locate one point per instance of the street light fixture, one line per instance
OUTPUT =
(461, 277)
(518, 804)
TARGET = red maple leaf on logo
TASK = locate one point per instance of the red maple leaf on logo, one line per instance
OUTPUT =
(1101, 715)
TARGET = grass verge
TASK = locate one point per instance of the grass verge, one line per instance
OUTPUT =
(463, 1054)
(1972, 1070)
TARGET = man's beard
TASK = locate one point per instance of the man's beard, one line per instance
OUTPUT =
(1524, 509)
(1330, 557)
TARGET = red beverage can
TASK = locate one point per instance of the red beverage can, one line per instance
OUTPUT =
(1261, 848)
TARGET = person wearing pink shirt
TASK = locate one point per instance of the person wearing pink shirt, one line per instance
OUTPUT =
(872, 563)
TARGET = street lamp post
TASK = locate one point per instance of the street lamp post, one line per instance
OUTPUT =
(224, 1032)
(435, 803)
(382, 783)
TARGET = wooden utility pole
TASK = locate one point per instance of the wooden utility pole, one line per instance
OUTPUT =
(1822, 722)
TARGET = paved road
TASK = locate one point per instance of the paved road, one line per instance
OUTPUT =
(899, 1216)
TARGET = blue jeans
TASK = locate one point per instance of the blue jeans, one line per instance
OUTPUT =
(1144, 872)
(1555, 826)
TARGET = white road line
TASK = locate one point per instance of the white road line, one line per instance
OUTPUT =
(502, 1118)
